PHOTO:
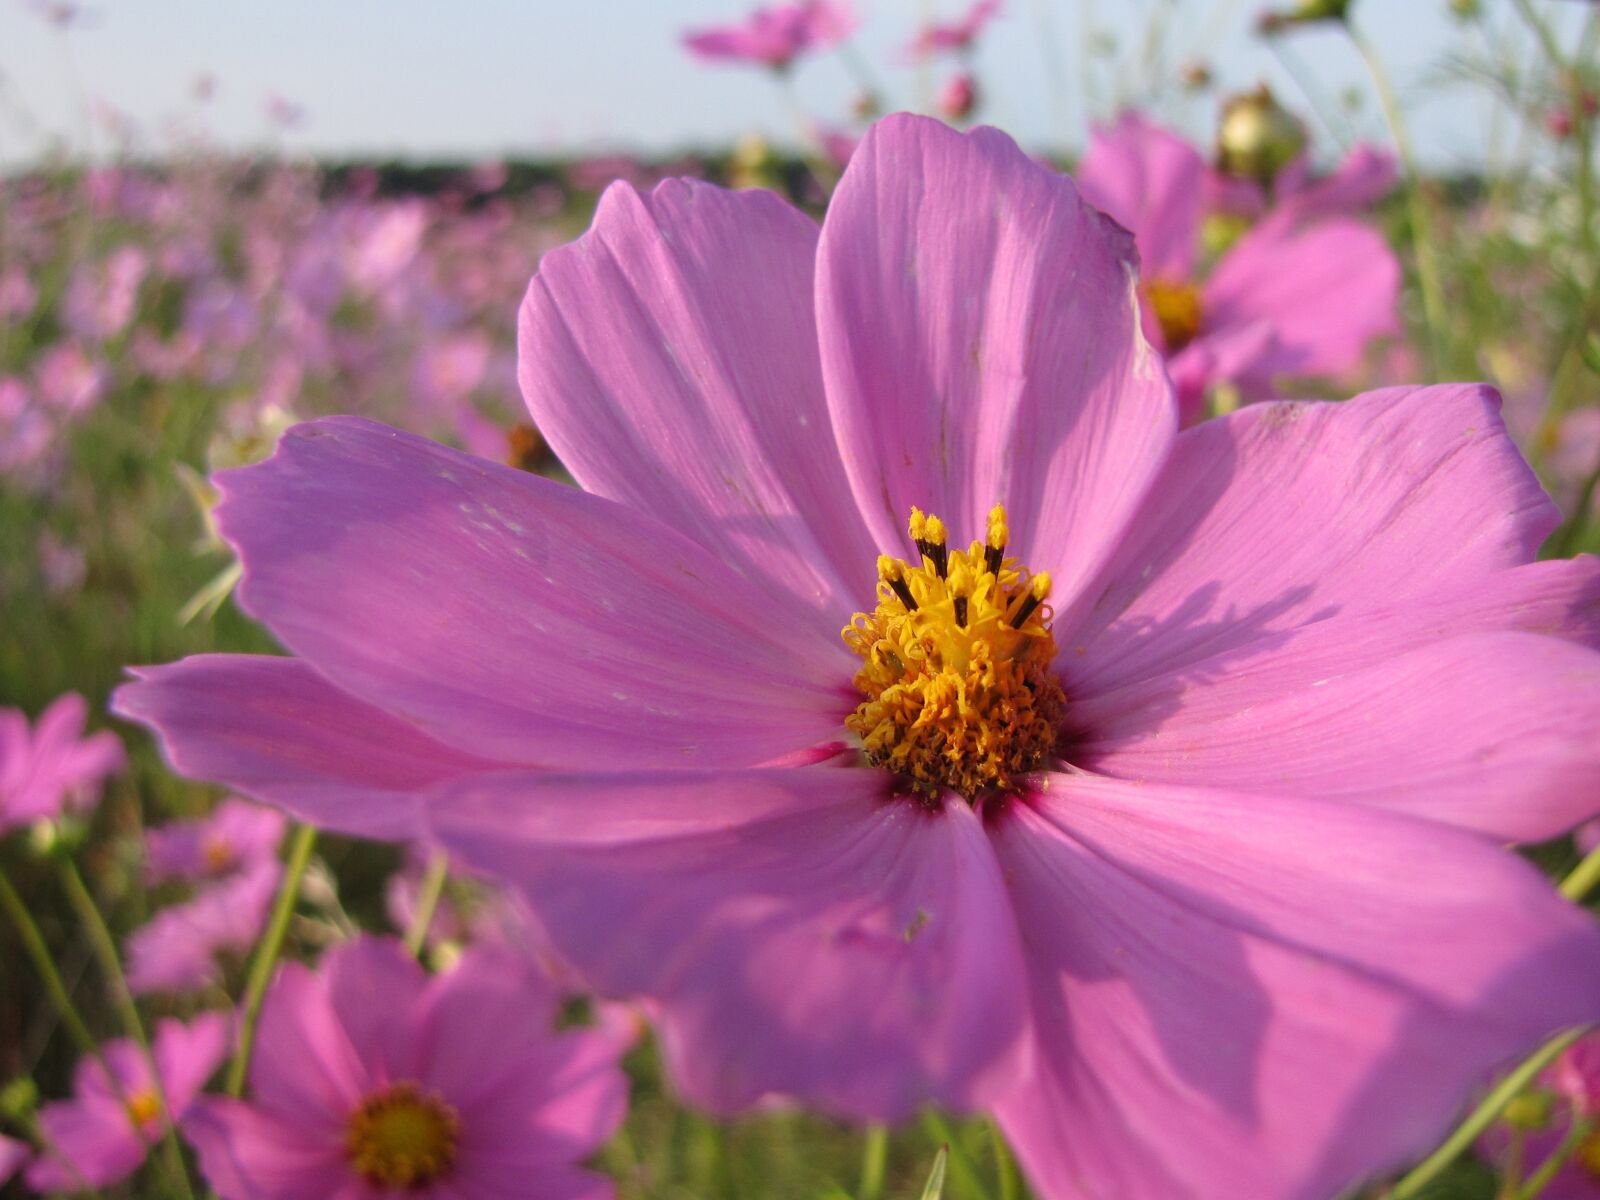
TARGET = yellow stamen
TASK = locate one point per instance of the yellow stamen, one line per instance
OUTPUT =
(143, 1107)
(1178, 310)
(402, 1137)
(956, 672)
(218, 853)
(1587, 1154)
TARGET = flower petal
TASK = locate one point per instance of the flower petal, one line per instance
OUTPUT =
(277, 730)
(1150, 181)
(1432, 707)
(1327, 289)
(304, 1069)
(374, 987)
(1282, 514)
(248, 1154)
(670, 357)
(981, 345)
(801, 931)
(1246, 996)
(515, 618)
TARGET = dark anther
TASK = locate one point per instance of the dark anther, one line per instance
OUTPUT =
(992, 556)
(961, 611)
(1029, 603)
(940, 554)
(903, 590)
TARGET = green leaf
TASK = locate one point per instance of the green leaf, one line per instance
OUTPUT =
(935, 1187)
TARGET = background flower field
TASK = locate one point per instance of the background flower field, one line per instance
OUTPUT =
(169, 307)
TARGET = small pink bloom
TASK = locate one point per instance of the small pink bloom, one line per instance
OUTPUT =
(372, 1080)
(17, 294)
(101, 298)
(68, 379)
(53, 766)
(178, 948)
(954, 35)
(285, 113)
(958, 97)
(235, 836)
(448, 369)
(777, 35)
(102, 1134)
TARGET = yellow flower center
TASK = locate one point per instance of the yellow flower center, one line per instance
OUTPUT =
(218, 853)
(1178, 311)
(143, 1106)
(402, 1137)
(956, 665)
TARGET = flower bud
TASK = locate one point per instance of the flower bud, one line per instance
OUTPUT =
(1257, 137)
(958, 97)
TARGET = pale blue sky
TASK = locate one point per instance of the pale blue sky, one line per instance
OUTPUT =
(480, 77)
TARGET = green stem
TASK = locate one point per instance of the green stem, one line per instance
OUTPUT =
(105, 949)
(874, 1158)
(961, 1166)
(1584, 876)
(1004, 1166)
(428, 894)
(267, 953)
(1429, 1169)
(1422, 232)
(33, 942)
(1557, 1159)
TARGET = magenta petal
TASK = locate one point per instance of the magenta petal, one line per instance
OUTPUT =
(304, 1068)
(91, 1141)
(12, 1155)
(247, 1154)
(1397, 707)
(670, 357)
(1248, 996)
(277, 730)
(800, 931)
(981, 345)
(1326, 289)
(1282, 514)
(1151, 181)
(515, 618)
(374, 986)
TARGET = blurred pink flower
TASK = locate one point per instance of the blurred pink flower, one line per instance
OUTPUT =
(775, 36)
(176, 950)
(13, 1155)
(52, 766)
(102, 1134)
(631, 702)
(102, 296)
(61, 565)
(17, 294)
(234, 837)
(373, 1080)
(285, 113)
(26, 432)
(1302, 294)
(448, 369)
(1568, 1090)
(68, 380)
(956, 35)
(958, 97)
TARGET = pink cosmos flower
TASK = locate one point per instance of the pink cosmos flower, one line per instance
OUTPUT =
(177, 949)
(1135, 822)
(371, 1080)
(1302, 294)
(236, 835)
(53, 766)
(775, 36)
(956, 35)
(102, 1134)
(958, 97)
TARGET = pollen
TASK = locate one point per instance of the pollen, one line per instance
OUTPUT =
(143, 1107)
(1178, 310)
(218, 853)
(402, 1137)
(956, 665)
